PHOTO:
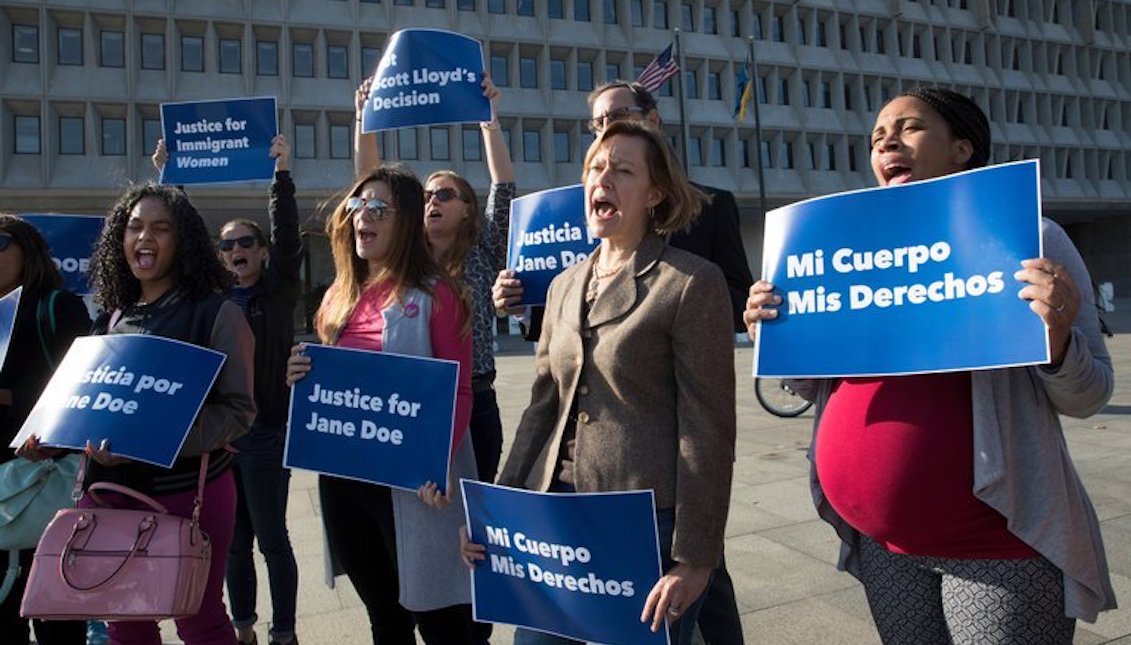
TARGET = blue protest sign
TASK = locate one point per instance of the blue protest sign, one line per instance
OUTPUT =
(373, 416)
(71, 239)
(427, 76)
(578, 565)
(141, 393)
(219, 141)
(547, 234)
(906, 279)
(9, 304)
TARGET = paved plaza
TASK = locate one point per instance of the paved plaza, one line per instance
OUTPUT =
(781, 556)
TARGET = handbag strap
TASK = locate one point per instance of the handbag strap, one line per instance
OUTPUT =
(197, 504)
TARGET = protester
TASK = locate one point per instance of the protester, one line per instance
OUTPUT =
(715, 236)
(389, 295)
(635, 372)
(472, 250)
(156, 272)
(967, 523)
(47, 320)
(266, 274)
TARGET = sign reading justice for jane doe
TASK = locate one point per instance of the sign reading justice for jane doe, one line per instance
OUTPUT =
(373, 416)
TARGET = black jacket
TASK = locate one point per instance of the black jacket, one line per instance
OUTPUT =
(271, 305)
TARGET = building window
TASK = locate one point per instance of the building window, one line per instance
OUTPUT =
(758, 33)
(826, 94)
(686, 16)
(691, 80)
(465, 5)
(192, 54)
(150, 133)
(822, 35)
(340, 141)
(581, 10)
(777, 26)
(763, 94)
(694, 152)
(786, 155)
(435, 4)
(636, 13)
(710, 23)
(735, 24)
(370, 56)
(302, 59)
(267, 58)
(27, 134)
(584, 75)
(830, 156)
(531, 145)
(337, 61)
(660, 14)
(527, 72)
(766, 159)
(561, 147)
(153, 51)
(403, 3)
(612, 72)
(714, 86)
(112, 49)
(718, 152)
(496, 6)
(71, 135)
(406, 143)
(802, 34)
(525, 7)
(499, 70)
(557, 74)
(806, 95)
(556, 9)
(70, 46)
(439, 143)
(852, 157)
(231, 56)
(113, 137)
(304, 141)
(783, 91)
(472, 151)
(812, 156)
(610, 12)
(25, 46)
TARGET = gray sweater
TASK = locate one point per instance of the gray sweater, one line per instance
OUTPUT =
(1022, 467)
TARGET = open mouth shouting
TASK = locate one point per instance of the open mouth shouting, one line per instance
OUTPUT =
(895, 173)
(602, 208)
(145, 259)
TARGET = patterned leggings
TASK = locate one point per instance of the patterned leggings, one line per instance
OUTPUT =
(918, 600)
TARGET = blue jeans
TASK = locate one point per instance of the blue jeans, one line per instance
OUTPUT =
(681, 632)
(261, 514)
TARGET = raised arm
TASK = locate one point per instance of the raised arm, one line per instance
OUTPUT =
(498, 155)
(366, 155)
(286, 241)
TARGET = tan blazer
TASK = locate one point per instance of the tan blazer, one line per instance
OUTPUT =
(652, 370)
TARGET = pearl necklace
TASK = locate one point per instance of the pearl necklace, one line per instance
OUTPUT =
(597, 276)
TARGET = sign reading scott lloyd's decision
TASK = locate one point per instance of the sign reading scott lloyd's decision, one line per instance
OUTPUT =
(373, 416)
(547, 234)
(219, 141)
(427, 76)
(579, 565)
(905, 279)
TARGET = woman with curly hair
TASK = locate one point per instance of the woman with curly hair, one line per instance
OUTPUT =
(390, 295)
(156, 272)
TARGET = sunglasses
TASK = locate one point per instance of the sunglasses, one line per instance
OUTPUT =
(5, 240)
(598, 124)
(444, 195)
(245, 242)
(377, 209)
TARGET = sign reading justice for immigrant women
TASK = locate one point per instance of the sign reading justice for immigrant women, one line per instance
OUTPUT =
(547, 234)
(905, 279)
(141, 393)
(427, 76)
(579, 565)
(219, 141)
(373, 416)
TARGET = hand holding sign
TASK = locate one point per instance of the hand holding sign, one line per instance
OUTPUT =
(1053, 295)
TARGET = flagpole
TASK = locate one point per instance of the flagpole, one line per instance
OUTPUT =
(757, 126)
(685, 131)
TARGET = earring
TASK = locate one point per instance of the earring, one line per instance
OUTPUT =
(651, 213)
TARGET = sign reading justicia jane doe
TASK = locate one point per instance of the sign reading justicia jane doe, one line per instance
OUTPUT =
(219, 141)
(373, 416)
(547, 234)
(140, 393)
(906, 279)
(427, 76)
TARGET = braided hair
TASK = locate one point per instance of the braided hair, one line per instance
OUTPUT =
(965, 119)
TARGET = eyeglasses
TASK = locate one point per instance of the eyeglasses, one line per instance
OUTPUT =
(245, 242)
(444, 195)
(598, 124)
(5, 240)
(376, 209)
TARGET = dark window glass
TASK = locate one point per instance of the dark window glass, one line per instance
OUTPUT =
(710, 24)
(302, 59)
(439, 141)
(192, 54)
(786, 156)
(822, 36)
(525, 7)
(70, 47)
(153, 51)
(557, 74)
(830, 156)
(466, 5)
(581, 10)
(714, 86)
(584, 75)
(610, 12)
(340, 141)
(826, 94)
(27, 135)
(660, 14)
(735, 24)
(686, 16)
(561, 147)
(880, 47)
(112, 49)
(499, 70)
(231, 56)
(435, 4)
(758, 33)
(763, 95)
(496, 6)
(406, 143)
(718, 152)
(556, 9)
(527, 72)
(777, 26)
(113, 137)
(612, 72)
(25, 49)
(744, 152)
(531, 145)
(783, 91)
(370, 56)
(267, 58)
(802, 34)
(337, 61)
(403, 3)
(694, 152)
(71, 135)
(636, 13)
(471, 148)
(852, 157)
(150, 133)
(847, 97)
(691, 83)
(806, 96)
(304, 141)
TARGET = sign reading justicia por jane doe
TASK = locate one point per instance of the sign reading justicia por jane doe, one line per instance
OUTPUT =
(906, 279)
(219, 141)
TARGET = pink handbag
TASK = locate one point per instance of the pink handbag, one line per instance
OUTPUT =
(117, 564)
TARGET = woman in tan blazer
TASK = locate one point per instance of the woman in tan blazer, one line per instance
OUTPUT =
(635, 371)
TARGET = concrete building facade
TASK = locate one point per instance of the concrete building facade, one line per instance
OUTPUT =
(81, 82)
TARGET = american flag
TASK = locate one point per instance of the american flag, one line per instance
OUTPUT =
(662, 67)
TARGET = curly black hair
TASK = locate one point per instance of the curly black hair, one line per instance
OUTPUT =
(197, 269)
